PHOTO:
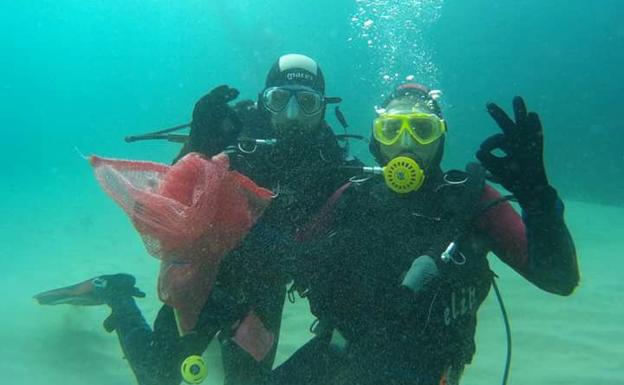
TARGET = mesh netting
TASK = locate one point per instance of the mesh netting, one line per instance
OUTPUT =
(189, 216)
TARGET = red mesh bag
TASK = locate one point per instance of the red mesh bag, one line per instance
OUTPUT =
(189, 216)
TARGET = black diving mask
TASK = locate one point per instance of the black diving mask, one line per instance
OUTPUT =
(275, 99)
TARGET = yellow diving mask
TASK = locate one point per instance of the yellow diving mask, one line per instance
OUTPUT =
(422, 127)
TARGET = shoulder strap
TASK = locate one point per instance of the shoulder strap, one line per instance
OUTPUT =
(476, 176)
(459, 202)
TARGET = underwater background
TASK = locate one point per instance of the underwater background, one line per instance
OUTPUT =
(78, 76)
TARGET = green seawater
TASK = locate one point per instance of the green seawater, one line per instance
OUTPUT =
(78, 76)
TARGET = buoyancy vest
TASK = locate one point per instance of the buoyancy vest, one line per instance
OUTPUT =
(376, 237)
(301, 181)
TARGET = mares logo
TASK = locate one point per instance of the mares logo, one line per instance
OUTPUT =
(461, 302)
(299, 76)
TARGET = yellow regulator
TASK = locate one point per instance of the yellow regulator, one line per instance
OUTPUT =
(403, 175)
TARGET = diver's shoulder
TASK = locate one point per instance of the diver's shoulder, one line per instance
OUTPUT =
(362, 189)
(473, 174)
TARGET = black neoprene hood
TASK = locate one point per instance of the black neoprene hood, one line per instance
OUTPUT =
(295, 69)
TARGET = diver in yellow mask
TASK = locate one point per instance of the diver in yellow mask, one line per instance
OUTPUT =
(408, 137)
(398, 278)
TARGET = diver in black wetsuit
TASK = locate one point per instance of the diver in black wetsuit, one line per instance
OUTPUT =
(282, 143)
(397, 281)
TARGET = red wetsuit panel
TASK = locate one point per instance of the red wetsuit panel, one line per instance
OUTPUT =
(505, 229)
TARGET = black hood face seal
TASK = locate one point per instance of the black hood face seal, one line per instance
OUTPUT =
(293, 70)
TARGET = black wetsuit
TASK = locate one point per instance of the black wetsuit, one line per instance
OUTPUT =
(252, 277)
(372, 329)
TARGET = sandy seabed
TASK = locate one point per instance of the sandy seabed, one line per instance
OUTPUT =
(63, 240)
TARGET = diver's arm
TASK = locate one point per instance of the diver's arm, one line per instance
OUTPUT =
(137, 342)
(551, 263)
(155, 356)
(538, 245)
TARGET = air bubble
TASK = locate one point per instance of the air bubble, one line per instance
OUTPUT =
(395, 38)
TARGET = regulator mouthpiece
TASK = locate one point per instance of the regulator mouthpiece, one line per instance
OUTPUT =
(403, 175)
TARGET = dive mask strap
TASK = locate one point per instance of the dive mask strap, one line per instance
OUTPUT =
(341, 118)
(332, 99)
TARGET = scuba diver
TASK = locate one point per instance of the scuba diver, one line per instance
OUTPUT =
(283, 143)
(398, 278)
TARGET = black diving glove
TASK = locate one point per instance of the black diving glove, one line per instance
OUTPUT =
(521, 169)
(215, 124)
